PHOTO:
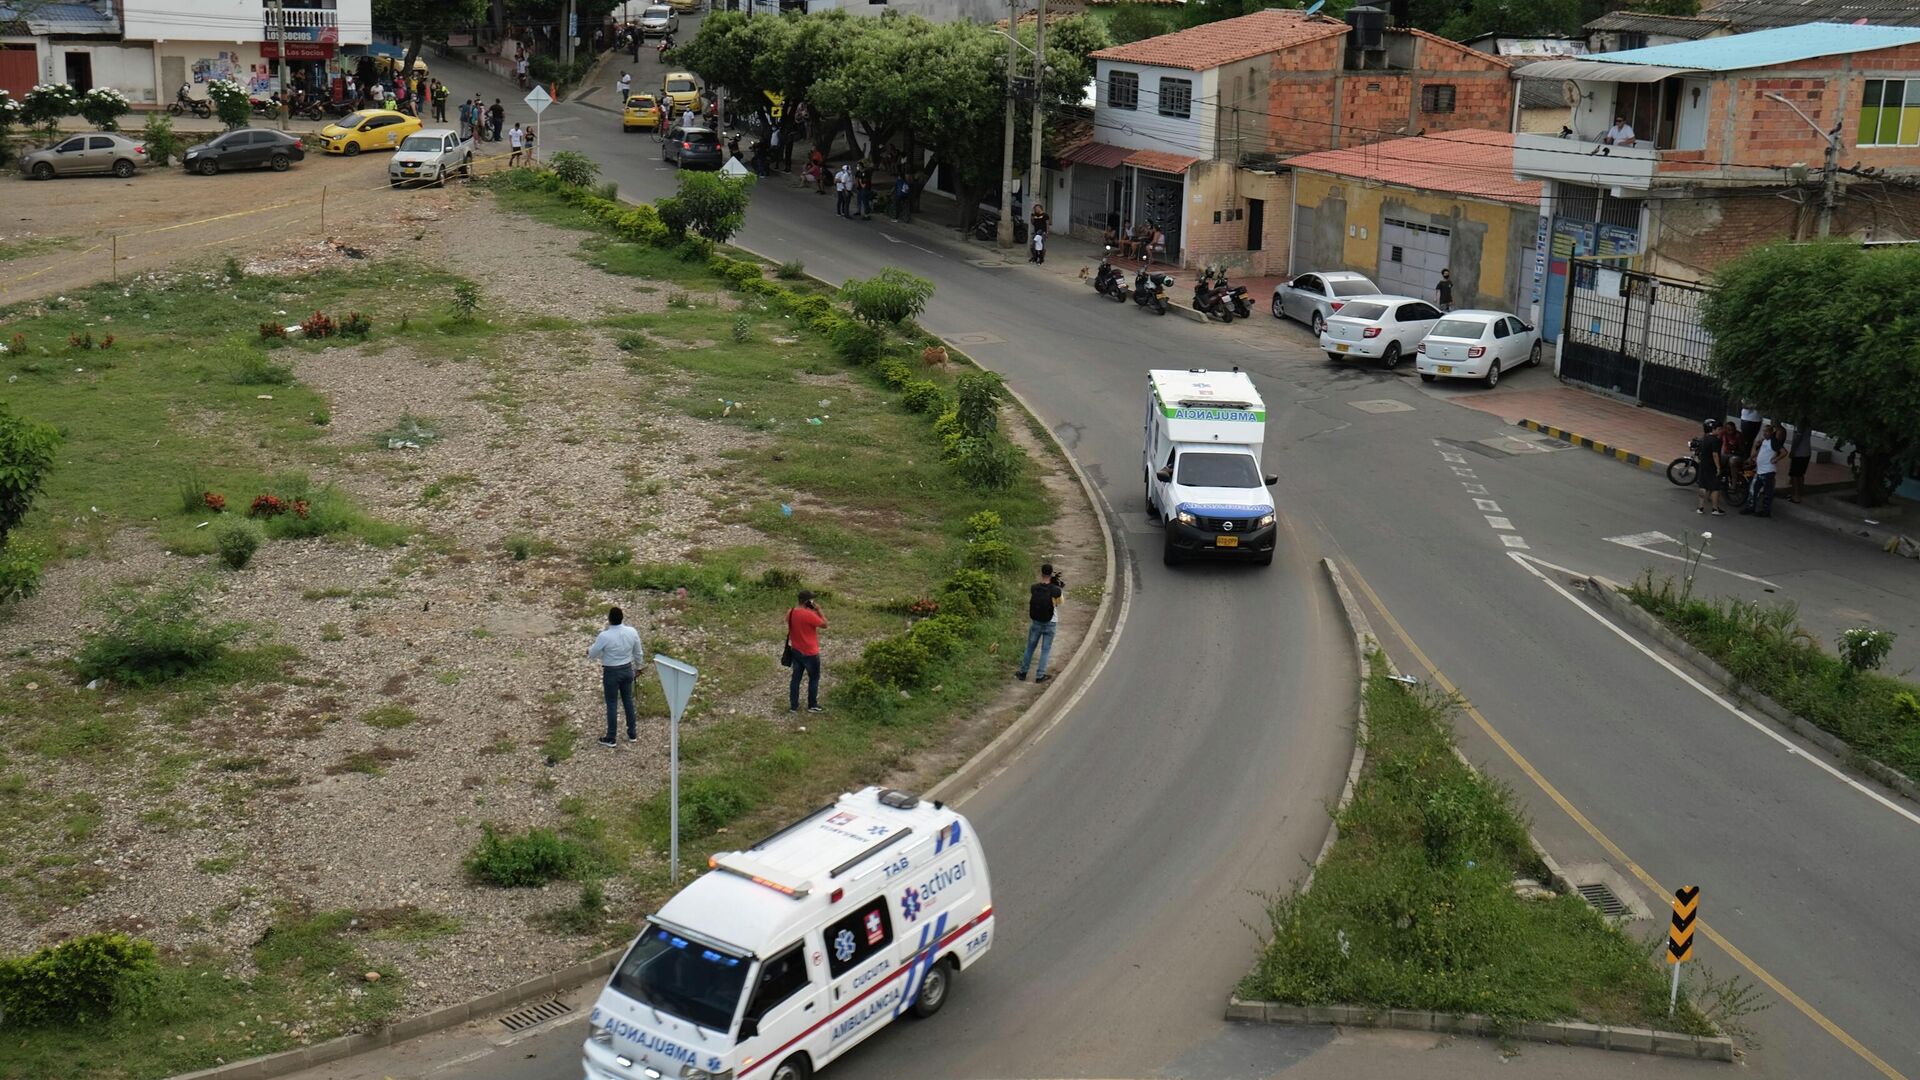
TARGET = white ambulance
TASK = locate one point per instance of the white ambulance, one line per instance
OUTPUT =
(1204, 435)
(784, 956)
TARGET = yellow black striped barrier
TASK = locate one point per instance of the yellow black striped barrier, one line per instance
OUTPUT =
(1595, 445)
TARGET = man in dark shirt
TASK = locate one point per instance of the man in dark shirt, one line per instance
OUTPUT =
(1445, 290)
(1709, 460)
(1043, 612)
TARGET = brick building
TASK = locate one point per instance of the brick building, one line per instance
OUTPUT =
(1729, 137)
(1192, 130)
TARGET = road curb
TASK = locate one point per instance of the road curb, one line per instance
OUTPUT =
(1608, 594)
(1364, 644)
(1595, 445)
(1566, 1033)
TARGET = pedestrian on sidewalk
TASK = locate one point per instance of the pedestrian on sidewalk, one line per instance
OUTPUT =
(1708, 462)
(817, 165)
(902, 208)
(1038, 245)
(863, 193)
(1767, 453)
(618, 650)
(496, 116)
(400, 95)
(520, 70)
(804, 624)
(1750, 420)
(1037, 219)
(1043, 615)
(625, 87)
(1799, 456)
(1445, 290)
(440, 95)
(843, 190)
(516, 140)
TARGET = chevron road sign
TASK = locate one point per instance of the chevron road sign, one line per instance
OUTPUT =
(1686, 912)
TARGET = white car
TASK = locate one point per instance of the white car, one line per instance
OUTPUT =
(1310, 298)
(430, 156)
(1378, 327)
(1477, 345)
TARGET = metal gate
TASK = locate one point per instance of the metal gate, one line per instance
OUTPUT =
(1639, 336)
(1412, 256)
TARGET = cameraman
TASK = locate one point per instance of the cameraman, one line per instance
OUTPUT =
(1043, 606)
(804, 624)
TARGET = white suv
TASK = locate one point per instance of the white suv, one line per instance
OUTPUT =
(429, 157)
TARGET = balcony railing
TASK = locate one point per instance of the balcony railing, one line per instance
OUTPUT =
(303, 24)
(1551, 157)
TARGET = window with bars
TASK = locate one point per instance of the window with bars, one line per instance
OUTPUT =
(1890, 113)
(1123, 90)
(1436, 98)
(1176, 97)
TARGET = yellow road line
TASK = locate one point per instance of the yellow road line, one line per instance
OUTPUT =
(1612, 848)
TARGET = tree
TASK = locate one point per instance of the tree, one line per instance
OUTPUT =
(1845, 355)
(421, 21)
(1137, 22)
(890, 297)
(709, 204)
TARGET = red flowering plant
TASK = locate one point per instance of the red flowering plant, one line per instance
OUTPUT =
(319, 325)
(272, 330)
(300, 508)
(214, 501)
(924, 607)
(266, 506)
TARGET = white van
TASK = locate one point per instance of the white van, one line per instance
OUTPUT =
(787, 954)
(1204, 435)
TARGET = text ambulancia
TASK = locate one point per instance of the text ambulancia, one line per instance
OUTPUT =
(784, 956)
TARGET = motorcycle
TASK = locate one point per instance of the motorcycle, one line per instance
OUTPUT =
(1150, 289)
(182, 104)
(1106, 281)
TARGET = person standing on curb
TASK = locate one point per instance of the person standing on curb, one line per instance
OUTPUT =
(1767, 452)
(1799, 456)
(1444, 291)
(902, 206)
(843, 191)
(1708, 462)
(804, 623)
(1043, 611)
(618, 650)
(516, 140)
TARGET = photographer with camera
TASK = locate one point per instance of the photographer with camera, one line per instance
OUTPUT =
(1043, 606)
(804, 624)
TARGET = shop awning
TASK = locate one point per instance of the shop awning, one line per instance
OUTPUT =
(1098, 155)
(1600, 71)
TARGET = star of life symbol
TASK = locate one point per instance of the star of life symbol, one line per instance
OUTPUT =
(910, 903)
(844, 945)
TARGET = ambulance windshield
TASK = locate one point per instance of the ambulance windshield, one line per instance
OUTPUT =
(686, 978)
(1218, 470)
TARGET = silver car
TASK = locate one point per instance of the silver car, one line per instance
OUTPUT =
(1313, 297)
(94, 152)
(1475, 344)
(430, 156)
(659, 20)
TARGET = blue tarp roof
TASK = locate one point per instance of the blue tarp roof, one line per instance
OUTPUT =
(67, 18)
(1766, 48)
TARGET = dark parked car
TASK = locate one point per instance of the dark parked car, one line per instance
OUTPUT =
(247, 148)
(94, 152)
(686, 146)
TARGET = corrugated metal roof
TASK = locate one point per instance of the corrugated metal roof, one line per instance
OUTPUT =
(1598, 71)
(1471, 162)
(1226, 41)
(1160, 161)
(1690, 27)
(69, 18)
(1766, 48)
(1761, 14)
(1097, 154)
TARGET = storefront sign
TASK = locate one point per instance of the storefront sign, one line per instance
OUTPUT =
(298, 50)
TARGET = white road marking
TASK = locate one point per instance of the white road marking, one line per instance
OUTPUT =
(1475, 489)
(1708, 563)
(1499, 522)
(464, 1059)
(1458, 471)
(1458, 459)
(1527, 561)
(1512, 541)
(1486, 505)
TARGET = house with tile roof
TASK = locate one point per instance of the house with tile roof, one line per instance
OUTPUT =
(1192, 129)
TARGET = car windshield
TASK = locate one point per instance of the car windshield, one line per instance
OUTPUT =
(1363, 311)
(1470, 329)
(674, 975)
(679, 86)
(352, 120)
(1352, 286)
(1218, 470)
(423, 142)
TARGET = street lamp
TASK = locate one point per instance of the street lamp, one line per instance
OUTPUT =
(1830, 173)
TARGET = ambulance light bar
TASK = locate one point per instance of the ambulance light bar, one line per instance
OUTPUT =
(758, 873)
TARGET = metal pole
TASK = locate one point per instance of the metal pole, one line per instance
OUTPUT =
(1004, 237)
(323, 209)
(116, 256)
(280, 33)
(673, 795)
(1673, 995)
(1039, 70)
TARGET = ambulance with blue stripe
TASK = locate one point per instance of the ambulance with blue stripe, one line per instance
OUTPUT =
(786, 955)
(1205, 433)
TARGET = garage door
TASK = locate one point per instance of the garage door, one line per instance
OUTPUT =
(1412, 256)
(18, 70)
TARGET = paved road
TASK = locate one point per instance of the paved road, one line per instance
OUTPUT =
(1126, 843)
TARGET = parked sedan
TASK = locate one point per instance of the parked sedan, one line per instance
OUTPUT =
(688, 146)
(1379, 327)
(1310, 298)
(94, 152)
(1477, 345)
(247, 148)
(429, 157)
(368, 129)
(659, 20)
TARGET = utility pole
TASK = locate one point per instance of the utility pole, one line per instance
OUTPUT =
(1830, 180)
(1005, 234)
(1039, 73)
(566, 36)
(280, 34)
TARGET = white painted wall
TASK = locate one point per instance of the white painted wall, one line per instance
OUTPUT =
(126, 68)
(228, 21)
(1143, 128)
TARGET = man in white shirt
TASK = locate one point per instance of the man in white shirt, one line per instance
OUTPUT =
(843, 191)
(520, 71)
(626, 86)
(618, 650)
(1620, 134)
(515, 139)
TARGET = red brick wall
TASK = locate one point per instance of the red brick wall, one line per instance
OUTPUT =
(1368, 114)
(1314, 103)
(1694, 236)
(1751, 129)
(1225, 189)
(1300, 89)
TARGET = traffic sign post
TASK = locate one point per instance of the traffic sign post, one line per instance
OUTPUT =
(1686, 911)
(537, 99)
(676, 681)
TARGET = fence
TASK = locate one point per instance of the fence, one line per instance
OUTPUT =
(1639, 336)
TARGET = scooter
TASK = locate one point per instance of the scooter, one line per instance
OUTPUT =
(1210, 297)
(1234, 298)
(182, 104)
(1150, 289)
(1106, 281)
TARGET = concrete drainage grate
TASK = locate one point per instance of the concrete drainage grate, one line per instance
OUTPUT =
(535, 1014)
(1604, 901)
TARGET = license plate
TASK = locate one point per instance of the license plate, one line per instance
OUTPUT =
(1343, 347)
(1226, 541)
(1446, 369)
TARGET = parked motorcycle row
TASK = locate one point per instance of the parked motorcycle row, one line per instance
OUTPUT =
(1213, 295)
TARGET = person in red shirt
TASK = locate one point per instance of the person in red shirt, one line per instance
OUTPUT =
(804, 624)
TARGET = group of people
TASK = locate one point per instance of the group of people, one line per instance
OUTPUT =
(1745, 461)
(481, 122)
(1137, 240)
(415, 95)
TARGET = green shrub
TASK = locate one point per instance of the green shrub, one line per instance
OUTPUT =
(254, 369)
(969, 594)
(20, 564)
(711, 803)
(519, 546)
(940, 636)
(994, 555)
(162, 144)
(947, 427)
(791, 270)
(977, 407)
(779, 579)
(1863, 649)
(641, 224)
(466, 300)
(896, 661)
(987, 464)
(743, 328)
(573, 168)
(895, 373)
(610, 191)
(236, 539)
(26, 457)
(924, 396)
(693, 249)
(709, 204)
(808, 307)
(154, 638)
(856, 343)
(80, 980)
(535, 857)
(889, 298)
(984, 525)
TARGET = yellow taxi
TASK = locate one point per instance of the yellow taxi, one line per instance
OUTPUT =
(642, 113)
(368, 129)
(681, 90)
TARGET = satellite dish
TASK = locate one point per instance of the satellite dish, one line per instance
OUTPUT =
(1316, 6)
